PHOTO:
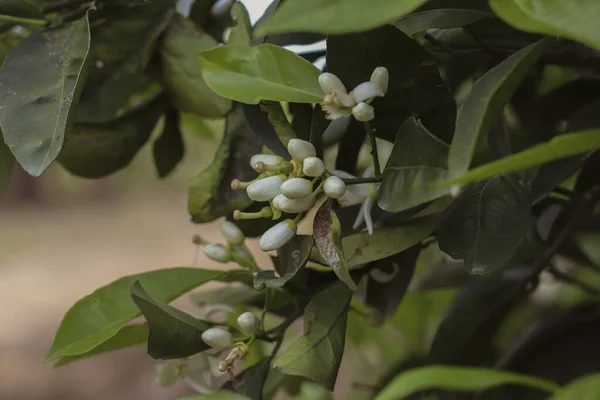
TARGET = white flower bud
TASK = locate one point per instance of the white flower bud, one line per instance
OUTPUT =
(217, 253)
(232, 233)
(381, 77)
(217, 338)
(168, 373)
(295, 188)
(334, 187)
(366, 90)
(330, 83)
(313, 166)
(293, 206)
(278, 235)
(265, 189)
(363, 112)
(248, 323)
(266, 159)
(300, 149)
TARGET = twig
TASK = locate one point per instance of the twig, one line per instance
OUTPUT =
(23, 21)
(374, 154)
(356, 181)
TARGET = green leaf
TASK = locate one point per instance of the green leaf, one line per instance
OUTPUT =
(128, 336)
(561, 146)
(459, 379)
(327, 232)
(292, 258)
(512, 14)
(7, 161)
(585, 388)
(445, 18)
(169, 148)
(251, 381)
(96, 150)
(335, 16)
(220, 395)
(123, 43)
(21, 8)
(101, 315)
(588, 243)
(264, 72)
(209, 193)
(417, 162)
(181, 75)
(487, 223)
(485, 103)
(40, 85)
(242, 31)
(317, 354)
(172, 333)
(362, 248)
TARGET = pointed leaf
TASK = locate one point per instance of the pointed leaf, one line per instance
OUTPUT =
(169, 148)
(487, 223)
(172, 333)
(328, 240)
(128, 336)
(457, 379)
(241, 32)
(485, 103)
(264, 72)
(445, 18)
(561, 146)
(417, 162)
(101, 315)
(292, 257)
(40, 83)
(317, 354)
(336, 16)
(585, 388)
(251, 381)
(257, 116)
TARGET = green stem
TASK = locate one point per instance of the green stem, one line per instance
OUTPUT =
(244, 262)
(373, 149)
(356, 181)
(23, 21)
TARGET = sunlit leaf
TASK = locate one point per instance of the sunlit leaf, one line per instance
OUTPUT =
(264, 72)
(242, 31)
(585, 388)
(40, 83)
(459, 379)
(445, 18)
(317, 354)
(511, 13)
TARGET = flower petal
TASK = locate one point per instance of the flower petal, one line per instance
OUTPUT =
(366, 90)
(363, 112)
(345, 99)
(330, 83)
(381, 77)
(368, 207)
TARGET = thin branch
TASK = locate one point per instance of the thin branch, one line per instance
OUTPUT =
(23, 21)
(356, 181)
(373, 149)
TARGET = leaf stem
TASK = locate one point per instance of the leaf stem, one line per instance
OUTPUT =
(374, 154)
(356, 181)
(23, 21)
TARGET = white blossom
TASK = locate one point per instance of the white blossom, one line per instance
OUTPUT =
(265, 189)
(381, 77)
(295, 188)
(313, 167)
(217, 252)
(248, 323)
(334, 187)
(266, 159)
(278, 235)
(217, 338)
(363, 112)
(365, 91)
(300, 149)
(293, 206)
(232, 233)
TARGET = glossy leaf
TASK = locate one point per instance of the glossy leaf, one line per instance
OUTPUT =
(337, 16)
(40, 83)
(172, 333)
(585, 388)
(128, 336)
(101, 315)
(327, 232)
(124, 40)
(168, 149)
(562, 146)
(485, 103)
(7, 161)
(445, 18)
(362, 248)
(181, 75)
(97, 150)
(209, 193)
(487, 223)
(457, 379)
(251, 381)
(242, 31)
(291, 258)
(317, 354)
(417, 162)
(264, 72)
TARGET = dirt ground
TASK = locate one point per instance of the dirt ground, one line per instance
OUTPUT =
(50, 256)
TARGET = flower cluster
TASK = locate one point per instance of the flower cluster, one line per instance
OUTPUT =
(290, 187)
(338, 103)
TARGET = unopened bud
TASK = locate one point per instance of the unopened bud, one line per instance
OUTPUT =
(217, 338)
(313, 166)
(300, 149)
(217, 253)
(232, 233)
(264, 160)
(278, 235)
(293, 206)
(363, 112)
(334, 187)
(248, 323)
(295, 188)
(265, 189)
(381, 77)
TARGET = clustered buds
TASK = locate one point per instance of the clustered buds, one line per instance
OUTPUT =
(290, 187)
(248, 323)
(217, 338)
(338, 103)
